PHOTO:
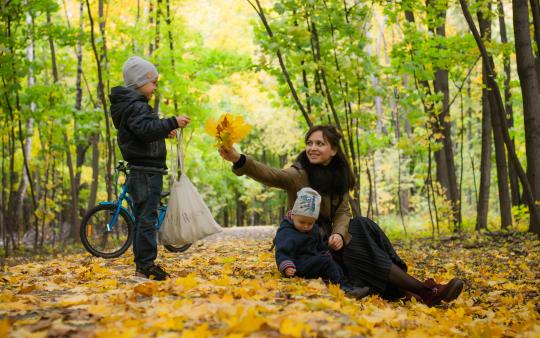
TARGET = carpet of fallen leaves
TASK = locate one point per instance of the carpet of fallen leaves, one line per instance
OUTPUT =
(229, 287)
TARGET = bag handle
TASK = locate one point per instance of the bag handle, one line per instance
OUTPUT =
(179, 153)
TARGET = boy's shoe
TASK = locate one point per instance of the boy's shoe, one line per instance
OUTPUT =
(357, 292)
(437, 293)
(154, 272)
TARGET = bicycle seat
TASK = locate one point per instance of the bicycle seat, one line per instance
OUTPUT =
(165, 194)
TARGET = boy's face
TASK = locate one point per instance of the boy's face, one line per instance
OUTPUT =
(303, 223)
(148, 89)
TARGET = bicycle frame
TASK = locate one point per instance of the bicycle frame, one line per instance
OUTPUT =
(124, 196)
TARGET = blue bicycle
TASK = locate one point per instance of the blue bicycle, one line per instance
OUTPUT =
(107, 230)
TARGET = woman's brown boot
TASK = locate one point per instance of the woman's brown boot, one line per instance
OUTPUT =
(436, 293)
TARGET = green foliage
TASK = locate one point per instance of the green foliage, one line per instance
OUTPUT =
(362, 65)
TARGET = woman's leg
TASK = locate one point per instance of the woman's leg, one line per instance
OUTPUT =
(368, 257)
(404, 281)
(371, 258)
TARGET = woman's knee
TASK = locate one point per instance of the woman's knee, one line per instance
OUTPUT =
(358, 223)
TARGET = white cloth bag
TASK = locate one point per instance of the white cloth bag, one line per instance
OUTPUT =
(188, 218)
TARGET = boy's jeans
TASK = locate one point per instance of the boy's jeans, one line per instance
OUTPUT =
(145, 190)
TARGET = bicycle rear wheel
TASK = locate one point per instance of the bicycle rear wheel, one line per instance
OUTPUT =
(101, 242)
(179, 248)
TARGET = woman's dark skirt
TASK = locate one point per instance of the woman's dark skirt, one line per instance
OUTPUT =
(368, 257)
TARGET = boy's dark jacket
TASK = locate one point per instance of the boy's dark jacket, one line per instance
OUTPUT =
(141, 133)
(292, 244)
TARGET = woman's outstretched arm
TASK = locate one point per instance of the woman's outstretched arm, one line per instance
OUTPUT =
(290, 179)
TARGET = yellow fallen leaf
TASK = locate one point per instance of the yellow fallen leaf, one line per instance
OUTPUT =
(15, 306)
(73, 300)
(322, 304)
(147, 289)
(336, 292)
(6, 296)
(188, 282)
(418, 333)
(5, 327)
(294, 328)
(106, 284)
(100, 310)
(245, 321)
(200, 331)
(27, 288)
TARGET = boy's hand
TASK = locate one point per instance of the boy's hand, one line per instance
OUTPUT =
(183, 121)
(172, 134)
(289, 272)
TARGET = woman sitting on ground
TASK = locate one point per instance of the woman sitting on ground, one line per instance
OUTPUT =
(358, 244)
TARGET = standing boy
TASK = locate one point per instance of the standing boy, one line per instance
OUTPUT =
(300, 250)
(141, 138)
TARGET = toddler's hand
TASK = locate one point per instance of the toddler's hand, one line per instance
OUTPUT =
(183, 121)
(289, 272)
(172, 134)
(335, 242)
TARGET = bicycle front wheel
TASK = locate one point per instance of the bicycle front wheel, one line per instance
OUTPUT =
(98, 239)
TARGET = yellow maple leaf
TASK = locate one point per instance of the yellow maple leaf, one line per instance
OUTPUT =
(336, 292)
(146, 289)
(296, 329)
(5, 327)
(188, 282)
(227, 130)
(200, 331)
(245, 321)
(73, 300)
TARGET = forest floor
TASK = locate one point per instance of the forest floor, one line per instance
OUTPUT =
(228, 286)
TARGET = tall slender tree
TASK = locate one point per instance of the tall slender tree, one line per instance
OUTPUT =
(530, 91)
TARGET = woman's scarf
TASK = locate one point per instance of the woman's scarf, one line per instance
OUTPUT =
(328, 179)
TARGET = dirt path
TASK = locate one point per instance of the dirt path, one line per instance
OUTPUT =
(249, 232)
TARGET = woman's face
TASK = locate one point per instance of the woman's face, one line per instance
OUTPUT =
(318, 149)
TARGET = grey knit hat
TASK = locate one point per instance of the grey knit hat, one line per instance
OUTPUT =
(137, 72)
(308, 203)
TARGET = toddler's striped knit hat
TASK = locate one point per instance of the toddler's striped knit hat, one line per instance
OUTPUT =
(308, 203)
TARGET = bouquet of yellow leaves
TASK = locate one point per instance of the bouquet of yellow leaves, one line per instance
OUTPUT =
(227, 130)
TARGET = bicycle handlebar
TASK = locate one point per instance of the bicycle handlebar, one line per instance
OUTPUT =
(121, 167)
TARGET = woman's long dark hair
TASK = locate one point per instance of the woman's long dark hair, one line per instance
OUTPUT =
(335, 178)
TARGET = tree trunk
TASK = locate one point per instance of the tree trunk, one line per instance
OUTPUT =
(94, 140)
(225, 217)
(81, 148)
(535, 9)
(101, 93)
(3, 181)
(168, 20)
(150, 24)
(74, 190)
(485, 160)
(446, 168)
(500, 154)
(530, 90)
(513, 179)
(534, 209)
(240, 215)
